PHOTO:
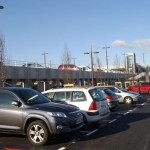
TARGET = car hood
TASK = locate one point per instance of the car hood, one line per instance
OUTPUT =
(55, 107)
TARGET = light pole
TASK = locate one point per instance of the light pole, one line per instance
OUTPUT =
(74, 60)
(1, 7)
(143, 59)
(91, 57)
(106, 47)
(44, 58)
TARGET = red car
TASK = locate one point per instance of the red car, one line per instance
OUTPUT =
(143, 87)
(68, 67)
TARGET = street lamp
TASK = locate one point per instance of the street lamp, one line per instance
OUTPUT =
(106, 47)
(91, 57)
(44, 58)
(74, 60)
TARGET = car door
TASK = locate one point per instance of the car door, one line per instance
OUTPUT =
(10, 115)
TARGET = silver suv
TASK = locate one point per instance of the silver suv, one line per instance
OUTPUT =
(124, 96)
(26, 111)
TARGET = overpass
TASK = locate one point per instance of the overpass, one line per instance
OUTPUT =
(45, 78)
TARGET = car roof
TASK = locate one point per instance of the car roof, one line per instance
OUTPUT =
(13, 88)
(70, 89)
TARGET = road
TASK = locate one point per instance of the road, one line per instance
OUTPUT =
(126, 129)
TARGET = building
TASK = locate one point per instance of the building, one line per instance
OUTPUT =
(130, 62)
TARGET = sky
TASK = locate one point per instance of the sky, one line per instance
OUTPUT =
(33, 27)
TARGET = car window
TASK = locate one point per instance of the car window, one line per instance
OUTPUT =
(49, 95)
(31, 97)
(121, 89)
(78, 96)
(109, 92)
(97, 94)
(112, 89)
(6, 98)
(61, 96)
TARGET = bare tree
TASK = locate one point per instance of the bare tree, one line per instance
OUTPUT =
(66, 59)
(2, 62)
(66, 56)
(99, 69)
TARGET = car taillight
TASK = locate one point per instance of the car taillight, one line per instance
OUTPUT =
(109, 97)
(93, 106)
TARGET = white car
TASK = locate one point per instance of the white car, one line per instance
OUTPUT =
(91, 101)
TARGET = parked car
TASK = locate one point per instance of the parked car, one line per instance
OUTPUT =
(111, 97)
(68, 67)
(32, 65)
(125, 96)
(26, 111)
(91, 101)
(142, 87)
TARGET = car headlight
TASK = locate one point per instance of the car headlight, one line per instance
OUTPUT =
(57, 114)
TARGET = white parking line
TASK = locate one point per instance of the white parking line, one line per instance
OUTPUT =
(88, 134)
(126, 113)
(112, 121)
(62, 148)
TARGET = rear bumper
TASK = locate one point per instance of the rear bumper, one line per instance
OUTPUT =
(97, 117)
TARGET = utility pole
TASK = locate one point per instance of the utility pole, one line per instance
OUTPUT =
(74, 60)
(91, 59)
(125, 64)
(106, 47)
(143, 59)
(44, 58)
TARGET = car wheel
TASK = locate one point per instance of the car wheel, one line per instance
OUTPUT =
(128, 100)
(37, 133)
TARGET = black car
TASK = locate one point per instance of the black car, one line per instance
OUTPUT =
(27, 111)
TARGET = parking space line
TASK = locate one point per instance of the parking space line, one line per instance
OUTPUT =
(88, 134)
(126, 113)
(62, 148)
(112, 121)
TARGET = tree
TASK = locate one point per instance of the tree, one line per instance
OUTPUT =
(2, 62)
(66, 59)
(99, 70)
(66, 56)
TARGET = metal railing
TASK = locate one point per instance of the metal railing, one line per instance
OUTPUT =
(30, 64)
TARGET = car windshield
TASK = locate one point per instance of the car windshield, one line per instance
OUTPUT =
(31, 97)
(121, 89)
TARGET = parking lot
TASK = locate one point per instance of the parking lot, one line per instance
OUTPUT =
(117, 123)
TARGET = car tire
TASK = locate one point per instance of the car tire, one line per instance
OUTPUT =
(128, 100)
(37, 133)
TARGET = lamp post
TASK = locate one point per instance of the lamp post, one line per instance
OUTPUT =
(106, 47)
(44, 58)
(1, 7)
(74, 60)
(143, 59)
(91, 59)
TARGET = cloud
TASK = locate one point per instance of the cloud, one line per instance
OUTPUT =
(143, 44)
